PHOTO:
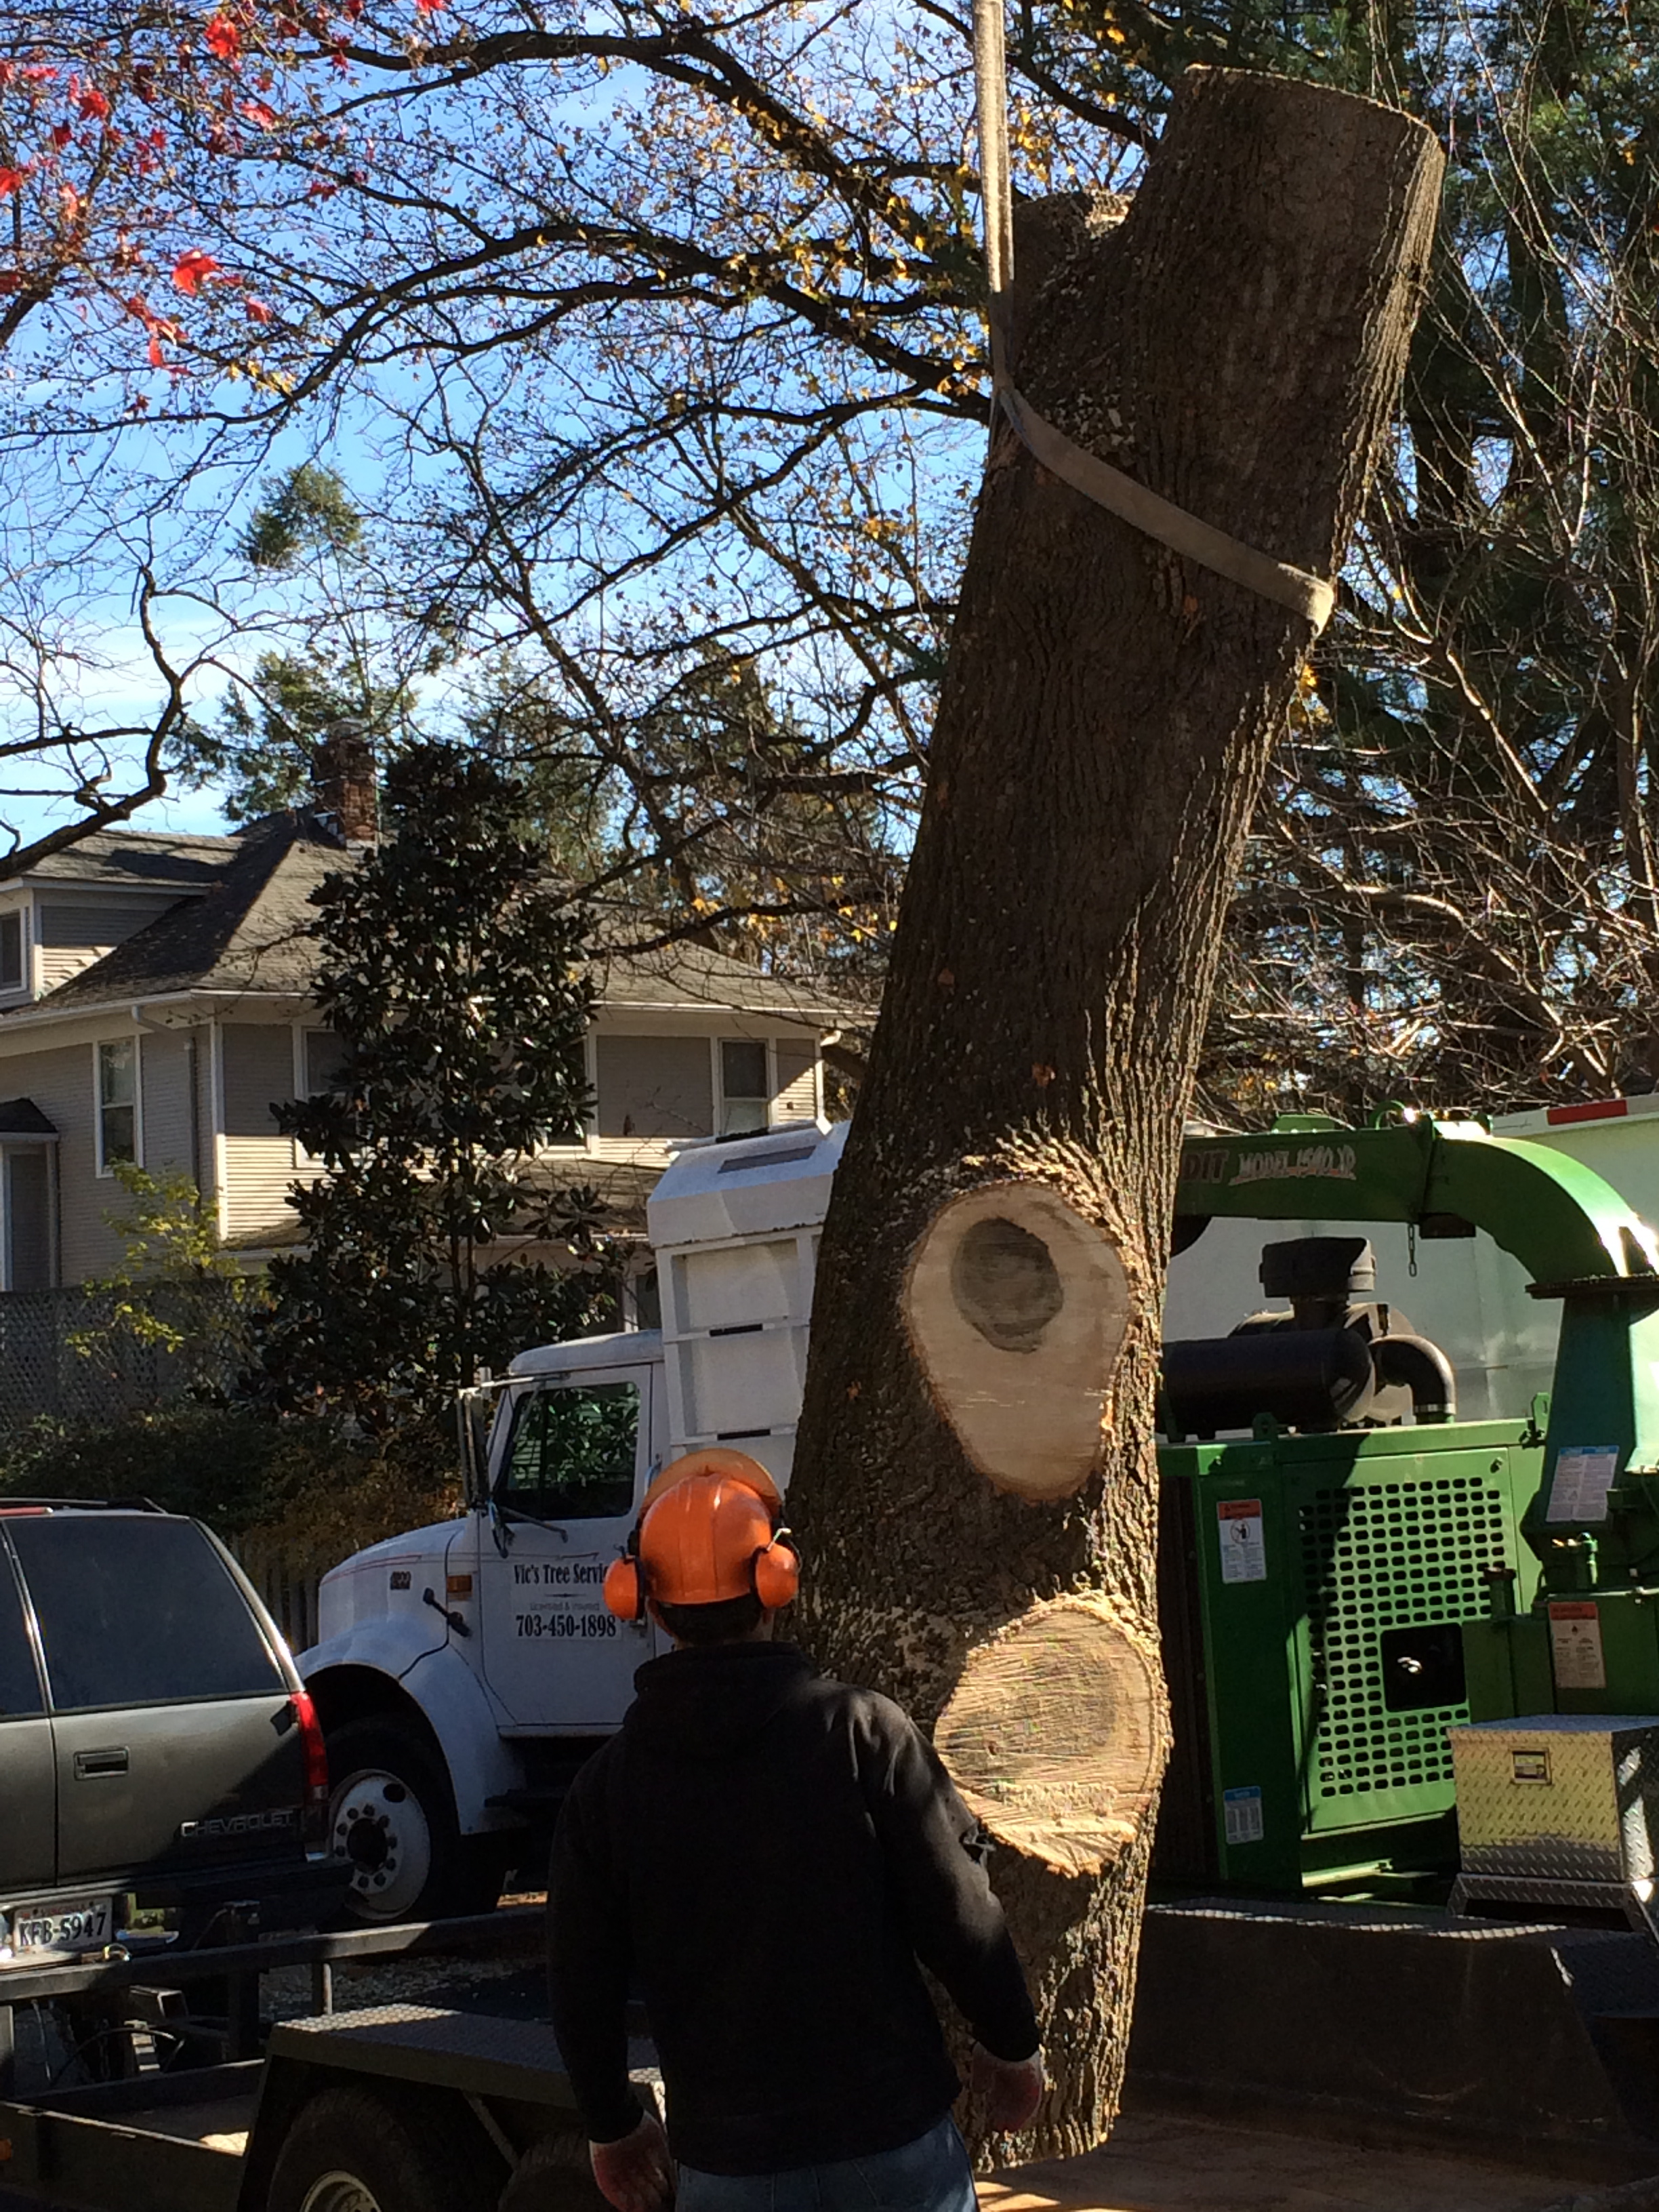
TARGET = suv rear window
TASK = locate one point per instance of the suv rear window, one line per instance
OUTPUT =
(136, 1611)
(19, 1686)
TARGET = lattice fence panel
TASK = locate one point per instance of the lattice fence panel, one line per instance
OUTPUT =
(43, 1370)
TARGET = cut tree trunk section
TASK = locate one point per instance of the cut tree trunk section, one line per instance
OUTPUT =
(975, 1475)
(1017, 1307)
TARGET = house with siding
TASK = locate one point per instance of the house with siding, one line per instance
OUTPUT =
(155, 1004)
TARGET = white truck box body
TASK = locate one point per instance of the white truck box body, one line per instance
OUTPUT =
(735, 1228)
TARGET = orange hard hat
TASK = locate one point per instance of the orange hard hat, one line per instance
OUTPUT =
(705, 1534)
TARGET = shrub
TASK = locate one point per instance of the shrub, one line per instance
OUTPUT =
(305, 1483)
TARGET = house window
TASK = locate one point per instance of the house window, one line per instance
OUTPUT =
(745, 1094)
(11, 951)
(653, 1086)
(118, 1102)
(324, 1057)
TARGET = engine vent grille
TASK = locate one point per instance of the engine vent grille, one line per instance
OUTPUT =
(1377, 1556)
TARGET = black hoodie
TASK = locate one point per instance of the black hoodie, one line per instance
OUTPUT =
(768, 1853)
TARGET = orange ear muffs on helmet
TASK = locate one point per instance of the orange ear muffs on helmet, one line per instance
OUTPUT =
(708, 1532)
(624, 1589)
(777, 1575)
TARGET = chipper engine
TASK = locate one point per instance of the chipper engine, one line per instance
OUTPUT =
(1348, 1571)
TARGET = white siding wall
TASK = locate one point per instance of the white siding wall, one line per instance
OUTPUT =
(798, 1093)
(164, 1070)
(256, 1061)
(72, 932)
(60, 1084)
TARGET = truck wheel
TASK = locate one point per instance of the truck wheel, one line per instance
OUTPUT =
(554, 2176)
(348, 2151)
(392, 1820)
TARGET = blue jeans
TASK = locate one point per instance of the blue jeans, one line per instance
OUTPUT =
(931, 2175)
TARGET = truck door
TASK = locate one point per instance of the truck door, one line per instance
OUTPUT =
(28, 1787)
(565, 1487)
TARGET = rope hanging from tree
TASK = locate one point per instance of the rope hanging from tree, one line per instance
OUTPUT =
(1171, 526)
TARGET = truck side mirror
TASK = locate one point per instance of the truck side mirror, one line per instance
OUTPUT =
(475, 1410)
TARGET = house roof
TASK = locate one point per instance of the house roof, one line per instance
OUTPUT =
(250, 930)
(124, 858)
(22, 1117)
(245, 920)
(636, 971)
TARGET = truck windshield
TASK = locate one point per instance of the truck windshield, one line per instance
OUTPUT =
(570, 1454)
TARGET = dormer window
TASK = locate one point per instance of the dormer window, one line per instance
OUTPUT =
(11, 951)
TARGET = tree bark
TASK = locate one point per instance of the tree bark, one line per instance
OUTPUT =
(1108, 711)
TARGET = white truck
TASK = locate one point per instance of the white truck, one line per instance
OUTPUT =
(464, 1670)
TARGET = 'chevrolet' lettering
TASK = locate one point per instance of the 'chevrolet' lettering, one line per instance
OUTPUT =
(238, 1824)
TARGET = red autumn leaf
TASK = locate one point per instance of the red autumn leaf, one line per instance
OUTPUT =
(259, 309)
(430, 7)
(223, 38)
(62, 133)
(93, 105)
(320, 189)
(192, 269)
(71, 200)
(10, 181)
(38, 73)
(257, 111)
(157, 358)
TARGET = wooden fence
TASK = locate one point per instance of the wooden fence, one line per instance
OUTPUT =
(286, 1577)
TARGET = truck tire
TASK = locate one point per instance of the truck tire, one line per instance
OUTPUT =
(392, 1819)
(348, 2150)
(554, 2176)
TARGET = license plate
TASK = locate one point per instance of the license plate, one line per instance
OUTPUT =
(87, 1925)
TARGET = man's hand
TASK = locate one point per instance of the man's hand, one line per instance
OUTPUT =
(636, 2175)
(1008, 2090)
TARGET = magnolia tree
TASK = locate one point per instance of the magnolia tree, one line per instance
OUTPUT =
(448, 971)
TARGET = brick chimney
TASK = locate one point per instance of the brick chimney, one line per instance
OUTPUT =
(343, 778)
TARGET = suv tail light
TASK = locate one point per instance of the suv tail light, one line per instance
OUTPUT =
(314, 1752)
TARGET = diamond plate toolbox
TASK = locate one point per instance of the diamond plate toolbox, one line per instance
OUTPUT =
(1559, 1797)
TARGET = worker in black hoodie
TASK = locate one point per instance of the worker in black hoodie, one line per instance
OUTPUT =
(769, 1855)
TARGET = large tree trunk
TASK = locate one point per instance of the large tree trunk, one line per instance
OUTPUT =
(975, 1473)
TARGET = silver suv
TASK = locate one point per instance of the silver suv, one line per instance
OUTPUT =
(155, 1739)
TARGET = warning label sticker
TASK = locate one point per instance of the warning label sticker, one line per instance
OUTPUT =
(1244, 1554)
(1583, 1476)
(1576, 1645)
(1241, 1809)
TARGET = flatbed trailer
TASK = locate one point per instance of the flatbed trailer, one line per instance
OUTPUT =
(393, 2108)
(411, 2108)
